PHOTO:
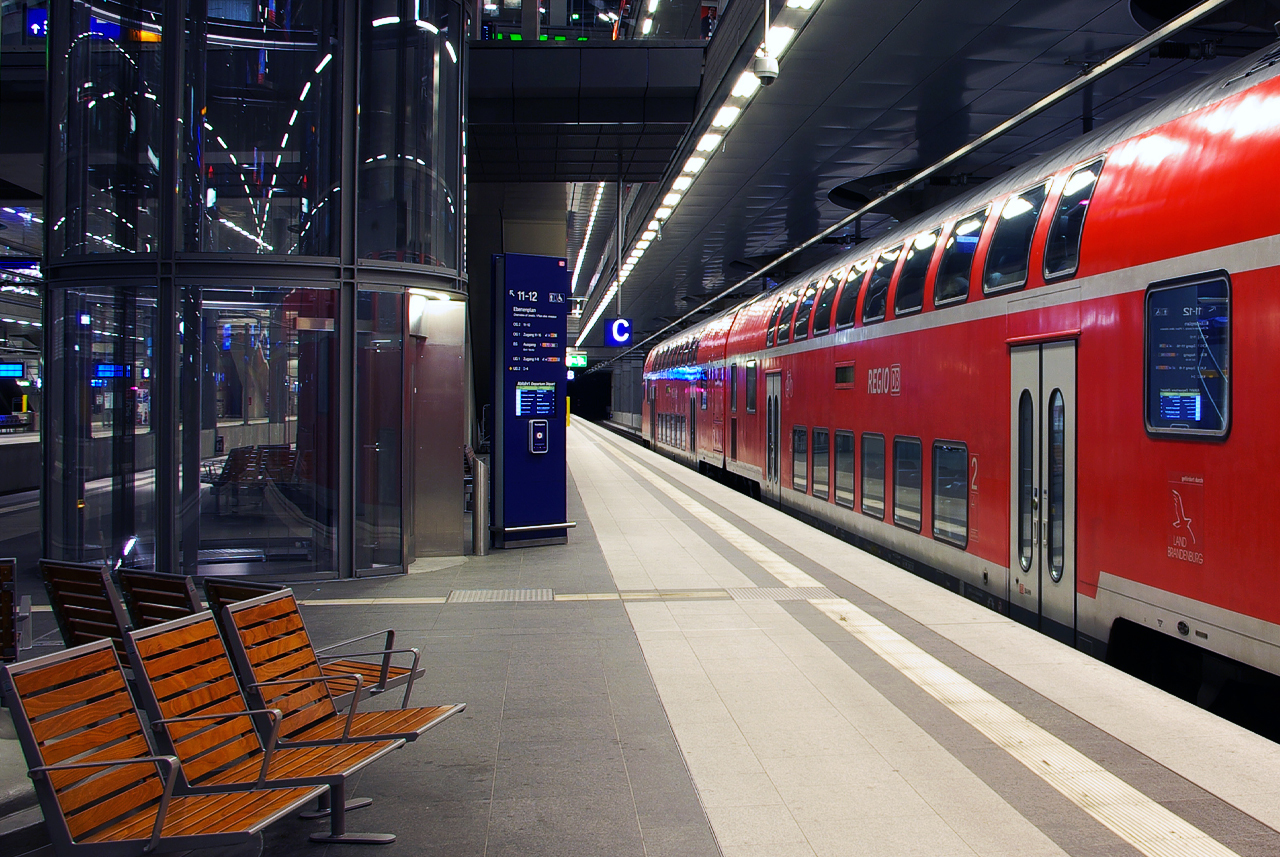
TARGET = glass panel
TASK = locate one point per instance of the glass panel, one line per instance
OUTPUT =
(1010, 250)
(104, 170)
(784, 319)
(261, 167)
(844, 468)
(751, 388)
(951, 493)
(102, 497)
(379, 420)
(1026, 478)
(268, 429)
(847, 306)
(804, 310)
(821, 463)
(800, 458)
(772, 330)
(822, 308)
(873, 306)
(873, 475)
(956, 267)
(1062, 247)
(1057, 482)
(733, 387)
(909, 296)
(1188, 359)
(907, 483)
(410, 130)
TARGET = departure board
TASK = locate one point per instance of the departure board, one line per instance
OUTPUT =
(1188, 357)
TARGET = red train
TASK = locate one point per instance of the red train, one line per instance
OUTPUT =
(1053, 394)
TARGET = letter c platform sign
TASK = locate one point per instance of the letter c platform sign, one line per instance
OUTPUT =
(617, 332)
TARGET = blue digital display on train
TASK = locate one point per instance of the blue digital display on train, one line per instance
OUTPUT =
(1188, 368)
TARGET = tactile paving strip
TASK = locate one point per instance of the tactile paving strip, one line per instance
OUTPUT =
(475, 596)
(780, 593)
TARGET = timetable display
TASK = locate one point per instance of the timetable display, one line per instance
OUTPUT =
(1188, 369)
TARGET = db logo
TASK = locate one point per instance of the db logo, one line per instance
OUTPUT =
(887, 379)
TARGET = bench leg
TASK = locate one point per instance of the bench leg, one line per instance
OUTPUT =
(322, 811)
(338, 823)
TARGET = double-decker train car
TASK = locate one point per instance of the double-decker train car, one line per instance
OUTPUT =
(1058, 393)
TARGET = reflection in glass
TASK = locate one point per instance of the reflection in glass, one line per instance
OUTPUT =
(822, 309)
(821, 463)
(1055, 532)
(409, 202)
(951, 493)
(784, 318)
(873, 475)
(909, 295)
(907, 483)
(379, 420)
(104, 170)
(1026, 479)
(844, 468)
(800, 459)
(804, 310)
(873, 305)
(101, 497)
(268, 431)
(847, 306)
(262, 129)
(1010, 250)
(956, 266)
(1062, 247)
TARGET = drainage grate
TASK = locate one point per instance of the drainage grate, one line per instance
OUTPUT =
(780, 593)
(490, 596)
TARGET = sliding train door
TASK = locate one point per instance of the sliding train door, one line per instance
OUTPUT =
(773, 435)
(1042, 514)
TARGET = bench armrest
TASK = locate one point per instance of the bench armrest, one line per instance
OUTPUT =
(272, 714)
(386, 665)
(390, 640)
(167, 766)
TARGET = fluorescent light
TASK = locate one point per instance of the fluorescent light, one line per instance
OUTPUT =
(801, 4)
(429, 27)
(778, 39)
(382, 22)
(662, 213)
(324, 62)
(709, 142)
(672, 199)
(746, 86)
(448, 46)
(654, 224)
(653, 6)
(694, 164)
(726, 116)
(681, 183)
(648, 235)
(646, 27)
(643, 244)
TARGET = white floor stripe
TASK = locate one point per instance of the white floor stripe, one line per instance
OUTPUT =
(1131, 815)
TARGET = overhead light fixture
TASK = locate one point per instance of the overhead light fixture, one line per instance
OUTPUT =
(430, 27)
(672, 199)
(746, 86)
(709, 142)
(726, 116)
(646, 26)
(648, 235)
(643, 244)
(694, 164)
(682, 183)
(662, 213)
(382, 22)
(653, 6)
(778, 39)
(801, 4)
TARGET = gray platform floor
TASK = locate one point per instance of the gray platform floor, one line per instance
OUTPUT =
(698, 674)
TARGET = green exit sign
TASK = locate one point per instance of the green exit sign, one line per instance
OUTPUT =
(576, 359)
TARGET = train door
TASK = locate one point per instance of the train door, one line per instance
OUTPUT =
(693, 421)
(1042, 548)
(773, 434)
(653, 412)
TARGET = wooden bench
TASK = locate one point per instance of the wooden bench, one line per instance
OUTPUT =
(376, 677)
(188, 687)
(274, 656)
(153, 597)
(100, 787)
(85, 603)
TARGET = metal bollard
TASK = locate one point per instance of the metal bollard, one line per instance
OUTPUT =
(479, 506)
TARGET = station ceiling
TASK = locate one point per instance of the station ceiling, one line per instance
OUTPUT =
(867, 91)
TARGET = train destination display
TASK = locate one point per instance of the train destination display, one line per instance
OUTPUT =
(1188, 349)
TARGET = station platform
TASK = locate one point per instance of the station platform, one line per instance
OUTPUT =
(696, 673)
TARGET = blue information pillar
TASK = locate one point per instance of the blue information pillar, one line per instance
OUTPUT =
(530, 312)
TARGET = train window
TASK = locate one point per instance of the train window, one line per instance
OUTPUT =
(783, 333)
(873, 475)
(733, 387)
(751, 387)
(1062, 247)
(821, 462)
(1010, 250)
(826, 298)
(1054, 531)
(847, 306)
(844, 468)
(873, 305)
(844, 376)
(951, 493)
(772, 329)
(1026, 479)
(803, 310)
(910, 293)
(1188, 357)
(907, 464)
(952, 283)
(800, 459)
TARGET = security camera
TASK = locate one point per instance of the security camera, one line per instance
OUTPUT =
(766, 69)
